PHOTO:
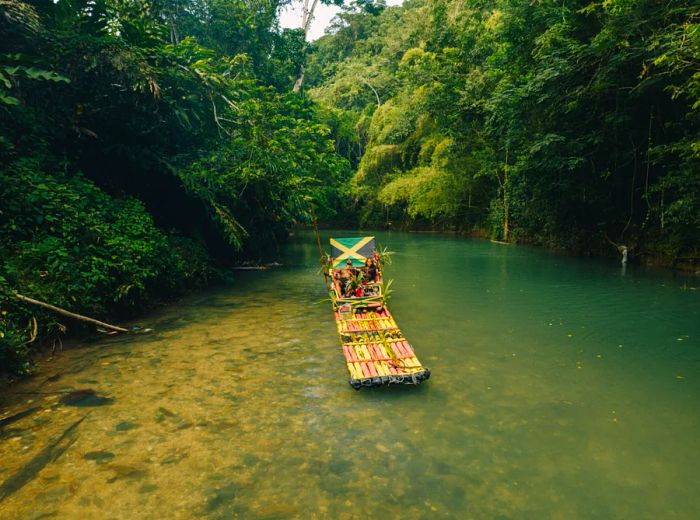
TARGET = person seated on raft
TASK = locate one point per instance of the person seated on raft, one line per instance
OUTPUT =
(339, 284)
(342, 278)
(349, 269)
(347, 273)
(370, 271)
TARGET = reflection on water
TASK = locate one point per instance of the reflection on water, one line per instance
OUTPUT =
(560, 389)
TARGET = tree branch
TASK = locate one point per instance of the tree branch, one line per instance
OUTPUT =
(68, 313)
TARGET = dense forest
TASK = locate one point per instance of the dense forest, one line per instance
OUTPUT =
(570, 124)
(148, 145)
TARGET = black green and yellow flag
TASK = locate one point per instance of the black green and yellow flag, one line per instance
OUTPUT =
(357, 249)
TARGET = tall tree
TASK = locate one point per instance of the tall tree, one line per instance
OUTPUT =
(308, 9)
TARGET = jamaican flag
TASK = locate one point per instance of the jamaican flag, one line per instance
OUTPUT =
(357, 249)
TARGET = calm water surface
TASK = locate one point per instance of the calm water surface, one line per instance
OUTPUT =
(562, 388)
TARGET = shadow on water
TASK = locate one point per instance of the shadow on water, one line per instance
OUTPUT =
(49, 454)
(5, 421)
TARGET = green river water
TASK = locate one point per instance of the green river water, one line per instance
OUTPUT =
(562, 388)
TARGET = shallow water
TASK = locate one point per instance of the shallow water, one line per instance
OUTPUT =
(562, 388)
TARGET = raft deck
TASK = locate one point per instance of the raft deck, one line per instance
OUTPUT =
(376, 351)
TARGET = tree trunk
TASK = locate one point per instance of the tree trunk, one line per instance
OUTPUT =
(307, 17)
(300, 80)
(506, 222)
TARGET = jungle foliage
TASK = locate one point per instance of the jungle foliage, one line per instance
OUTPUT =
(147, 144)
(571, 124)
(144, 146)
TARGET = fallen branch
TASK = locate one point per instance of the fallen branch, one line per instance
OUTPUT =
(68, 313)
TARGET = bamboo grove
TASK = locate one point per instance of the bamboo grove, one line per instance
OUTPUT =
(571, 124)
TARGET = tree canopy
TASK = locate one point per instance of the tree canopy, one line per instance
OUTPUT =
(144, 144)
(570, 124)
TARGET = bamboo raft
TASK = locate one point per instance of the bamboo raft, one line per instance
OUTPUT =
(376, 351)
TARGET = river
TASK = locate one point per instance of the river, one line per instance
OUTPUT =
(561, 388)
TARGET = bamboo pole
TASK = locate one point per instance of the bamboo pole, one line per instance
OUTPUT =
(68, 313)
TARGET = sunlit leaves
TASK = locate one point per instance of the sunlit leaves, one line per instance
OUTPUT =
(569, 122)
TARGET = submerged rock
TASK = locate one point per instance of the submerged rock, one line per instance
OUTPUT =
(173, 457)
(222, 496)
(147, 488)
(124, 426)
(53, 494)
(99, 456)
(123, 471)
(339, 466)
(163, 414)
(250, 460)
(85, 397)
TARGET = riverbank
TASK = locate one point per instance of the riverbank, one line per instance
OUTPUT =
(47, 331)
(602, 250)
